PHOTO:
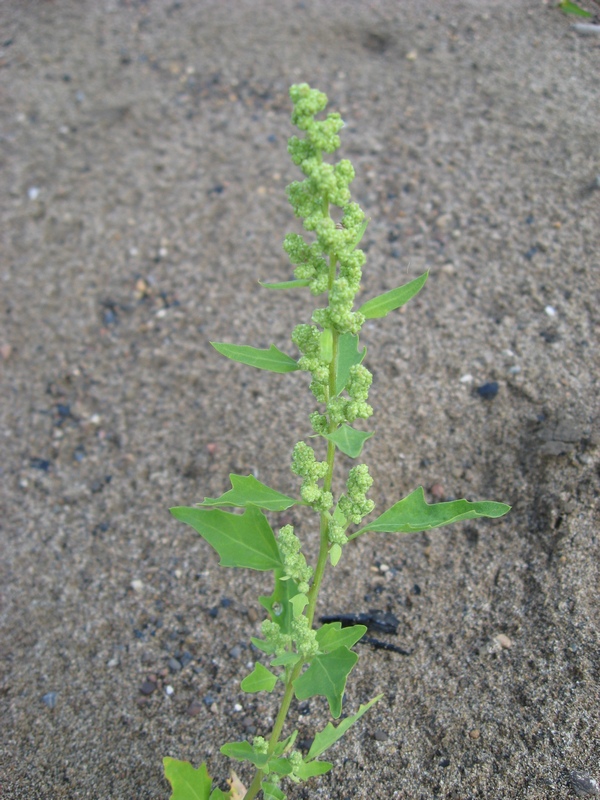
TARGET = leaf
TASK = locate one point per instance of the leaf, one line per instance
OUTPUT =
(272, 792)
(286, 660)
(243, 751)
(260, 679)
(331, 734)
(272, 359)
(297, 284)
(278, 604)
(573, 8)
(327, 676)
(307, 771)
(348, 356)
(187, 782)
(218, 794)
(248, 491)
(332, 635)
(244, 540)
(381, 305)
(348, 440)
(280, 766)
(413, 514)
(298, 601)
(360, 234)
(237, 790)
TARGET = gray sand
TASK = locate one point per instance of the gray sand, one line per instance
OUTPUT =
(144, 164)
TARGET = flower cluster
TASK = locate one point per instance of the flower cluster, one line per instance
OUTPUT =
(294, 563)
(354, 505)
(339, 409)
(311, 471)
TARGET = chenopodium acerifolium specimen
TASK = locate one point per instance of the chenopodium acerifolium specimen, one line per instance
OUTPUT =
(306, 661)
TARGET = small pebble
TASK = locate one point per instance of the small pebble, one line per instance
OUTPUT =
(185, 658)
(194, 708)
(488, 390)
(583, 784)
(137, 585)
(468, 378)
(5, 351)
(504, 641)
(550, 311)
(235, 652)
(237, 707)
(148, 687)
(252, 615)
(475, 733)
(380, 735)
(49, 699)
(174, 665)
(33, 192)
(169, 690)
(437, 491)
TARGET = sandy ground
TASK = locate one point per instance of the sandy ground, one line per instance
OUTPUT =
(143, 171)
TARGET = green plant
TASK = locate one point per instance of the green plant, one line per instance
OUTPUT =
(306, 661)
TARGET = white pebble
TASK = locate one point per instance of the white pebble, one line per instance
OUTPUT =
(238, 707)
(550, 311)
(33, 192)
(468, 378)
(137, 585)
(169, 690)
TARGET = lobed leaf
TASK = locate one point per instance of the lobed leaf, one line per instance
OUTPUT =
(413, 514)
(246, 491)
(272, 792)
(327, 675)
(381, 305)
(244, 540)
(272, 359)
(296, 284)
(348, 356)
(331, 734)
(260, 679)
(187, 782)
(348, 440)
(331, 636)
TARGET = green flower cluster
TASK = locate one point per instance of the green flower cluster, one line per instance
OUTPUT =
(339, 409)
(305, 465)
(303, 636)
(294, 563)
(354, 505)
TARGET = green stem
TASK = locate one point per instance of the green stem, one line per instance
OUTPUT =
(313, 593)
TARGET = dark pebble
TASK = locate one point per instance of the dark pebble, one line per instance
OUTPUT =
(174, 665)
(583, 784)
(147, 687)
(63, 410)
(185, 659)
(109, 317)
(235, 652)
(49, 699)
(226, 602)
(488, 390)
(39, 463)
(214, 612)
(445, 762)
(194, 708)
(380, 736)
(208, 700)
(530, 253)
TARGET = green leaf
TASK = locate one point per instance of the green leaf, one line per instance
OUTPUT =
(307, 771)
(285, 744)
(327, 676)
(280, 766)
(298, 601)
(244, 540)
(187, 782)
(243, 751)
(331, 636)
(247, 491)
(278, 604)
(348, 356)
(381, 306)
(348, 440)
(218, 794)
(413, 514)
(272, 792)
(272, 359)
(286, 660)
(335, 553)
(260, 679)
(573, 8)
(297, 284)
(331, 734)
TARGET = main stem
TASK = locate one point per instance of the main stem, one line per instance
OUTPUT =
(313, 593)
